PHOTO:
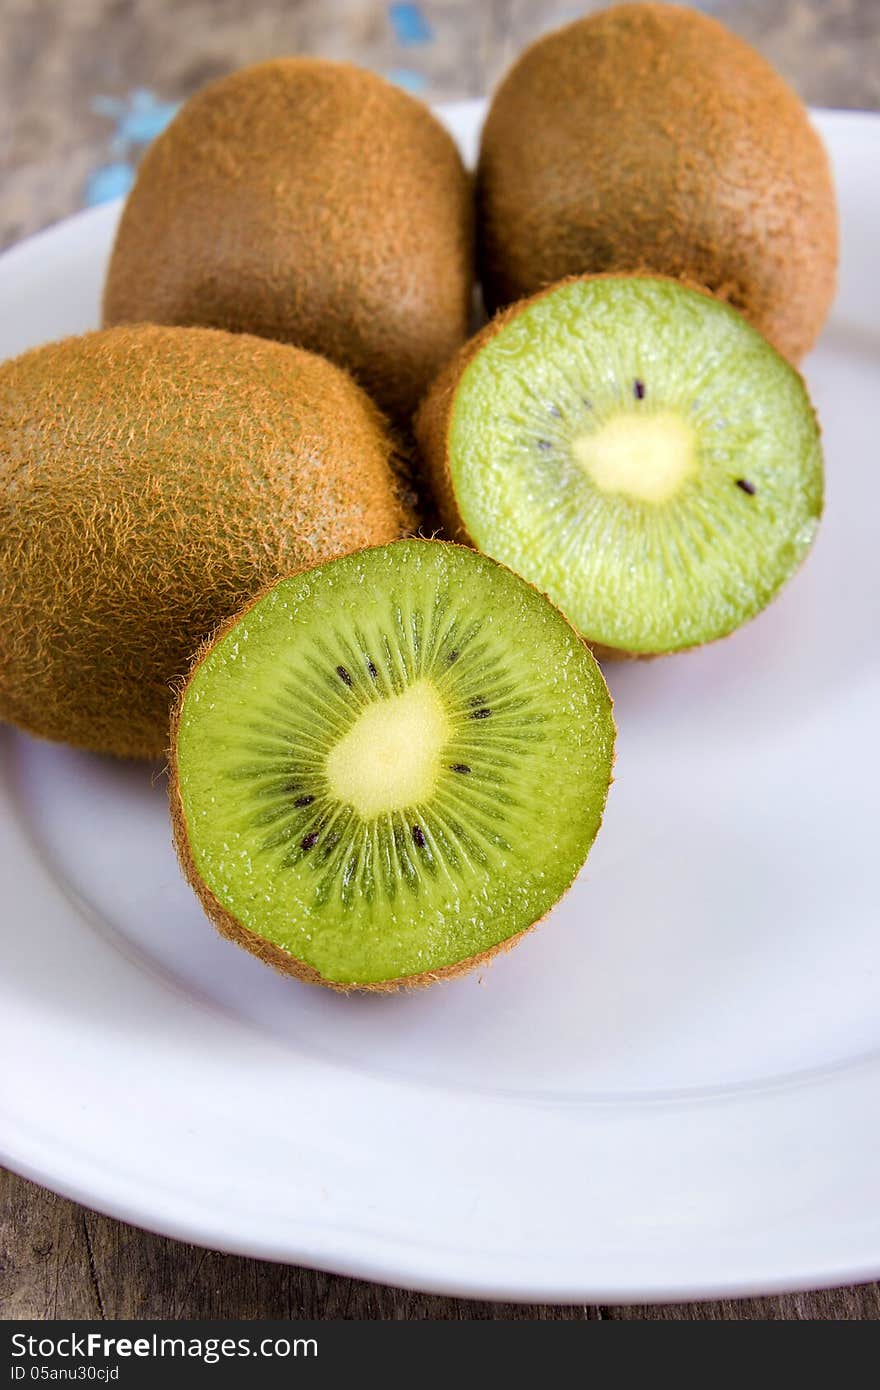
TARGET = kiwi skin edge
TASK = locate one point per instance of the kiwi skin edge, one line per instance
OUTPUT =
(266, 951)
(434, 417)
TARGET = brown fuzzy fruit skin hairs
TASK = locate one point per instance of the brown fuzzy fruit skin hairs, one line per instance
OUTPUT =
(266, 951)
(650, 135)
(151, 480)
(432, 423)
(311, 202)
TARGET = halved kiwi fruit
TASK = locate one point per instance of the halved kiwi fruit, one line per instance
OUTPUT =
(634, 449)
(389, 766)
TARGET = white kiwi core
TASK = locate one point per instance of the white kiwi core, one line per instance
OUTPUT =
(645, 457)
(390, 757)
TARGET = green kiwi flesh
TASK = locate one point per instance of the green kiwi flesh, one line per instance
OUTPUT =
(640, 453)
(390, 766)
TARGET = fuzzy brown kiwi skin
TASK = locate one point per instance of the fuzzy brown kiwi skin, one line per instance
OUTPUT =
(266, 951)
(434, 418)
(650, 134)
(151, 480)
(312, 202)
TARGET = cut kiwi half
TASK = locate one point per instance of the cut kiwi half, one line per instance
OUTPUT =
(637, 451)
(389, 767)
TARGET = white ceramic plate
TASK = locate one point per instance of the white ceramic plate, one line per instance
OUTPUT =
(670, 1090)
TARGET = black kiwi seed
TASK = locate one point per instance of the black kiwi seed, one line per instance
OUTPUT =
(639, 389)
(372, 670)
(309, 840)
(481, 713)
(544, 444)
(344, 676)
(304, 801)
(459, 767)
(746, 486)
(418, 835)
(453, 656)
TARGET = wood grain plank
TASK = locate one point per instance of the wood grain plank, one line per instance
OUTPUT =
(44, 1256)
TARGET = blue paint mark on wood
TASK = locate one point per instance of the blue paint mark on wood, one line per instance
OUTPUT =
(409, 24)
(138, 118)
(110, 181)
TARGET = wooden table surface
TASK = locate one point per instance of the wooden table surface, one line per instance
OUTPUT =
(84, 86)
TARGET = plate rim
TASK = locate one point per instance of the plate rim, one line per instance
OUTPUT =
(396, 1276)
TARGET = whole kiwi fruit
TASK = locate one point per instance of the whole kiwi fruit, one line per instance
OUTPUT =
(312, 202)
(151, 481)
(649, 137)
